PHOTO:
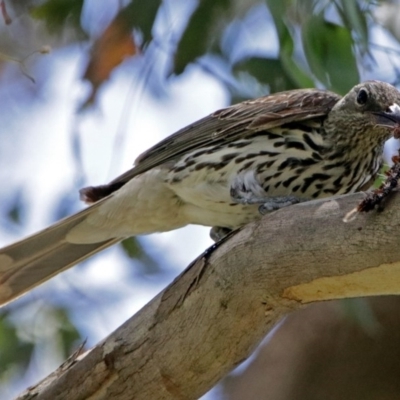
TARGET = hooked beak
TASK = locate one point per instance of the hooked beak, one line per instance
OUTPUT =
(390, 118)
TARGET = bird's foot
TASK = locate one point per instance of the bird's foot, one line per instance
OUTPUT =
(219, 232)
(246, 189)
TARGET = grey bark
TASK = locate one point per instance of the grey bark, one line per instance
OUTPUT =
(217, 311)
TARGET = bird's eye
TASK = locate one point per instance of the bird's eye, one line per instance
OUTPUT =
(362, 97)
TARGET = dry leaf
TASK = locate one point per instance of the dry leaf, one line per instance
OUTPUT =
(110, 49)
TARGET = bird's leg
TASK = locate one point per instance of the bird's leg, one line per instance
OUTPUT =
(245, 189)
(219, 232)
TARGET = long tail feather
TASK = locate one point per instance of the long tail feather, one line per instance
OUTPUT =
(33, 260)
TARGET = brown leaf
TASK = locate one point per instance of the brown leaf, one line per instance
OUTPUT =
(110, 49)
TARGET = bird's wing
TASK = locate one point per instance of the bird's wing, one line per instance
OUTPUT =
(224, 126)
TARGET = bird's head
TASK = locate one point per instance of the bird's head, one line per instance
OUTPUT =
(369, 112)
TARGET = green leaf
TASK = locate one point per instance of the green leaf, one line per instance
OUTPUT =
(59, 13)
(296, 73)
(381, 176)
(203, 28)
(141, 14)
(132, 248)
(278, 11)
(16, 211)
(68, 333)
(14, 352)
(354, 19)
(328, 49)
(267, 71)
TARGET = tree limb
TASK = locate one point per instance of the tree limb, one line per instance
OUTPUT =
(216, 312)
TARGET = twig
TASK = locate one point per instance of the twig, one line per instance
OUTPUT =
(375, 198)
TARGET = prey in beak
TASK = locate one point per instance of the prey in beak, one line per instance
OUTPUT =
(390, 119)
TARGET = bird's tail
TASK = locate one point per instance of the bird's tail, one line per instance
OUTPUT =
(32, 261)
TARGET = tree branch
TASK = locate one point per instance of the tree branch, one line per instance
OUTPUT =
(217, 311)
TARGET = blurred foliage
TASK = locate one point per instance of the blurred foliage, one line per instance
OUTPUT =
(14, 352)
(328, 49)
(59, 15)
(319, 43)
(280, 12)
(135, 250)
(16, 210)
(202, 32)
(141, 15)
(277, 79)
(333, 34)
(29, 332)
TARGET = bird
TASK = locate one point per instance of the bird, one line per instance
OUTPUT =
(223, 171)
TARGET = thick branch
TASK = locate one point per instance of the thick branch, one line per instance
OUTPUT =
(215, 313)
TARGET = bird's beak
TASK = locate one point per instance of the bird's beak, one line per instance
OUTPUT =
(390, 118)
